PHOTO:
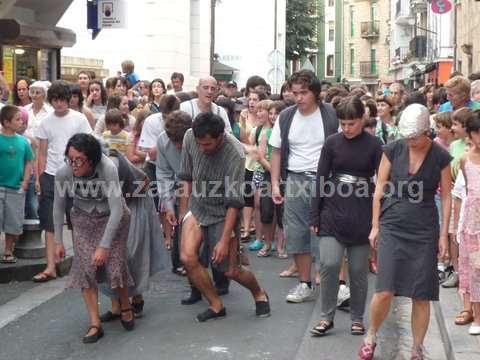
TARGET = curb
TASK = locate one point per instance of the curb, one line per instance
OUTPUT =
(25, 269)
(458, 344)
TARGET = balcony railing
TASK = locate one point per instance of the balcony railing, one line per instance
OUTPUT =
(403, 14)
(368, 69)
(419, 6)
(370, 29)
(418, 47)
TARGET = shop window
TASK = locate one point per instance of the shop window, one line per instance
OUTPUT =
(330, 65)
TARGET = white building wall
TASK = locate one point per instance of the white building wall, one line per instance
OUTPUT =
(162, 36)
(245, 34)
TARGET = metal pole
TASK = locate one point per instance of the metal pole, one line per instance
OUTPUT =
(275, 28)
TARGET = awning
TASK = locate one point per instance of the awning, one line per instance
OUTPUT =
(13, 32)
(222, 69)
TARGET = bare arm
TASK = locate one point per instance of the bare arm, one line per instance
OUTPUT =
(446, 202)
(42, 156)
(275, 173)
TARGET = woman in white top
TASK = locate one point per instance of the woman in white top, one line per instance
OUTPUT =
(97, 98)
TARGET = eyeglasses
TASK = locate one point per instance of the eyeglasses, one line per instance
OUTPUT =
(77, 162)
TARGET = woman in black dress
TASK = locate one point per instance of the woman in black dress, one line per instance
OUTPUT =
(405, 222)
(341, 212)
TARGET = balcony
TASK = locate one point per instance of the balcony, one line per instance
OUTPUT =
(419, 6)
(418, 47)
(368, 69)
(370, 29)
(403, 14)
(402, 56)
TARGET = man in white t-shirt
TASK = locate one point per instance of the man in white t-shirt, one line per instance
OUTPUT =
(207, 89)
(53, 133)
(297, 140)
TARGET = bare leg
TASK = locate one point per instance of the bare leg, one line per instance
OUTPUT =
(304, 266)
(420, 321)
(280, 241)
(50, 251)
(124, 303)
(167, 230)
(197, 274)
(10, 243)
(454, 255)
(379, 309)
(467, 304)
(343, 270)
(259, 232)
(476, 309)
(247, 214)
(90, 296)
(242, 276)
(116, 308)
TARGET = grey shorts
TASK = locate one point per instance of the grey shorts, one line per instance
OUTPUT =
(296, 213)
(12, 210)
(45, 203)
(211, 235)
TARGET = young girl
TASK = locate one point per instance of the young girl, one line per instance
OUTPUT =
(469, 229)
(265, 214)
(134, 154)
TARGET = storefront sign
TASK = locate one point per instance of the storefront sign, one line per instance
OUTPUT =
(112, 14)
(8, 53)
(441, 6)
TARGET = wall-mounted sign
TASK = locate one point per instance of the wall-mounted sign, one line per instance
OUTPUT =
(112, 14)
(441, 6)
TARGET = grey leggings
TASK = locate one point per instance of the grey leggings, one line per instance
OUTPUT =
(331, 258)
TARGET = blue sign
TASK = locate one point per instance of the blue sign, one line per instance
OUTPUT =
(92, 17)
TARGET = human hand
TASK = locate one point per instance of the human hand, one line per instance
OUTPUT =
(373, 237)
(170, 216)
(314, 229)
(220, 252)
(60, 251)
(37, 187)
(99, 257)
(442, 246)
(276, 195)
(25, 185)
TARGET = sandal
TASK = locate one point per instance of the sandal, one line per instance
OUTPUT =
(128, 325)
(366, 351)
(90, 339)
(322, 328)
(43, 277)
(464, 318)
(8, 258)
(357, 328)
(245, 237)
(264, 252)
(289, 274)
(282, 255)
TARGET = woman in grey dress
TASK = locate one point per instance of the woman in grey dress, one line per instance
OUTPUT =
(100, 221)
(405, 222)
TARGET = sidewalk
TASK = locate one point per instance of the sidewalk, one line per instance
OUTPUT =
(25, 269)
(459, 345)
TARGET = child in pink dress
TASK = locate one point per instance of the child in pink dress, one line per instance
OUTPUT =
(469, 228)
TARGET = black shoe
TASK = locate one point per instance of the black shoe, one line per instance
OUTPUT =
(262, 308)
(222, 291)
(128, 325)
(194, 297)
(95, 337)
(109, 316)
(138, 307)
(322, 328)
(210, 314)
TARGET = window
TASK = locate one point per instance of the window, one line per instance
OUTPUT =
(352, 23)
(331, 31)
(373, 61)
(352, 61)
(331, 3)
(330, 65)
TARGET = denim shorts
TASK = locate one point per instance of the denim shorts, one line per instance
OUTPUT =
(296, 213)
(12, 208)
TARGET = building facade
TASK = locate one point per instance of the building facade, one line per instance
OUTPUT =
(467, 51)
(161, 37)
(366, 45)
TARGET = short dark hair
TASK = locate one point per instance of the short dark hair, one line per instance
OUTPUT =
(103, 92)
(113, 102)
(208, 124)
(169, 103)
(113, 117)
(473, 123)
(183, 96)
(350, 108)
(7, 113)
(306, 78)
(334, 91)
(177, 75)
(229, 105)
(372, 106)
(415, 97)
(439, 96)
(462, 116)
(253, 82)
(59, 90)
(75, 90)
(88, 145)
(261, 95)
(89, 74)
(279, 105)
(176, 125)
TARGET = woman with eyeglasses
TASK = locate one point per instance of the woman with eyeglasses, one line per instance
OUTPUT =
(100, 220)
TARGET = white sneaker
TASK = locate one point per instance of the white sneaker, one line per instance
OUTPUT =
(474, 330)
(301, 293)
(343, 298)
(451, 281)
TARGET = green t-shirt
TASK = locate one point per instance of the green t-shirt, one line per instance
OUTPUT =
(265, 133)
(14, 152)
(456, 149)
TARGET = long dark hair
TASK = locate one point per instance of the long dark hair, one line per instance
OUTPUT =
(16, 99)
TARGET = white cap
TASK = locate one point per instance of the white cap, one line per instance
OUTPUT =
(415, 120)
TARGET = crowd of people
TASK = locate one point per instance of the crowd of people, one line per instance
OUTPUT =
(341, 179)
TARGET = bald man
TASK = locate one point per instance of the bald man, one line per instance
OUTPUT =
(207, 89)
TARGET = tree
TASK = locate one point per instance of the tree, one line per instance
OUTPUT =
(301, 28)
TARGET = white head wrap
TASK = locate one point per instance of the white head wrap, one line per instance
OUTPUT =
(415, 120)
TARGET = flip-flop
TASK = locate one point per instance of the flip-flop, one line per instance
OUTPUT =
(44, 277)
(264, 252)
(8, 259)
(288, 274)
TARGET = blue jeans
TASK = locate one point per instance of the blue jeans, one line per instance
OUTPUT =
(31, 200)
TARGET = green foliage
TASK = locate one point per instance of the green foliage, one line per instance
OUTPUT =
(301, 28)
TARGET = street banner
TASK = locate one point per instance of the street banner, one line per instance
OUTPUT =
(441, 6)
(112, 14)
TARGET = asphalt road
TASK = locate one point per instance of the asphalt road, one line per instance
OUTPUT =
(53, 330)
